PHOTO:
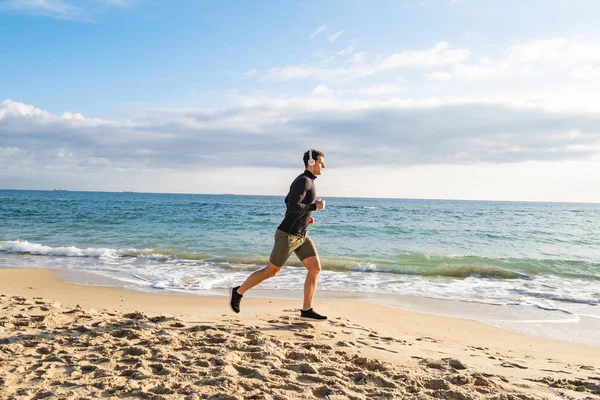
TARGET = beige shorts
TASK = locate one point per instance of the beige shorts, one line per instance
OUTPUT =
(286, 243)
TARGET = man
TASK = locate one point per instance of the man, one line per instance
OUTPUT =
(291, 236)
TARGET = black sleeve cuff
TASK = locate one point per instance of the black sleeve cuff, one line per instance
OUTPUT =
(312, 207)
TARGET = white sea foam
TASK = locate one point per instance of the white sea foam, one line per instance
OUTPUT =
(149, 268)
(23, 246)
(368, 267)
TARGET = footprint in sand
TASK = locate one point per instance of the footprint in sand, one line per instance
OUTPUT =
(280, 372)
(454, 363)
(246, 372)
(507, 364)
(384, 349)
(325, 391)
(307, 378)
(305, 325)
(304, 335)
(428, 339)
(278, 321)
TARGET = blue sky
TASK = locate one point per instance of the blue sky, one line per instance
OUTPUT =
(435, 99)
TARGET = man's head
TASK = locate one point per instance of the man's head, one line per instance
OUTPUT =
(319, 161)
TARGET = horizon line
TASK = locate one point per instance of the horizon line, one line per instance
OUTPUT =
(277, 195)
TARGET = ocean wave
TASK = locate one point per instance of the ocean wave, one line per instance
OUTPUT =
(561, 297)
(24, 247)
(445, 271)
(421, 264)
(360, 207)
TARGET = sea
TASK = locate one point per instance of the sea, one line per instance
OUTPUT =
(525, 266)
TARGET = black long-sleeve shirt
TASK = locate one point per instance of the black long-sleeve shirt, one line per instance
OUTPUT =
(300, 203)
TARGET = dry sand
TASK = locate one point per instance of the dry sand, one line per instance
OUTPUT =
(67, 341)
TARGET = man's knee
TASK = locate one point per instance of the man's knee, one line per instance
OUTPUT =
(312, 264)
(272, 270)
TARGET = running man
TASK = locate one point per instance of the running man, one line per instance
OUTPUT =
(291, 236)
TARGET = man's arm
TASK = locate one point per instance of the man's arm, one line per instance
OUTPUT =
(297, 194)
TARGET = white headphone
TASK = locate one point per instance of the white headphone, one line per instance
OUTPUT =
(310, 161)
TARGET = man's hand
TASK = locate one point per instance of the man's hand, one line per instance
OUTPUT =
(320, 204)
(311, 221)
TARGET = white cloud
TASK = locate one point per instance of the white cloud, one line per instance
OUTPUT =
(70, 115)
(484, 68)
(348, 50)
(412, 131)
(439, 76)
(10, 107)
(300, 72)
(9, 151)
(14, 109)
(322, 90)
(536, 57)
(359, 58)
(587, 73)
(61, 9)
(553, 50)
(320, 29)
(440, 54)
(406, 133)
(537, 62)
(335, 36)
(44, 7)
(378, 90)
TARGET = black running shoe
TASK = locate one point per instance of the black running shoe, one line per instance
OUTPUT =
(312, 316)
(234, 299)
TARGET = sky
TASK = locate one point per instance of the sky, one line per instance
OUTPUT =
(441, 99)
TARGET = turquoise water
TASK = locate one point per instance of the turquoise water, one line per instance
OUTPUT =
(542, 254)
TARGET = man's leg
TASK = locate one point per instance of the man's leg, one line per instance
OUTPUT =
(307, 252)
(279, 255)
(236, 293)
(258, 276)
(313, 265)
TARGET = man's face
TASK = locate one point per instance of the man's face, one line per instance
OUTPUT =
(319, 165)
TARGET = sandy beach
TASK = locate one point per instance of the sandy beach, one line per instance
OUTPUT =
(66, 341)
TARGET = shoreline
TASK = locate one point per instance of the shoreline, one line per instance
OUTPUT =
(367, 349)
(529, 320)
(49, 283)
